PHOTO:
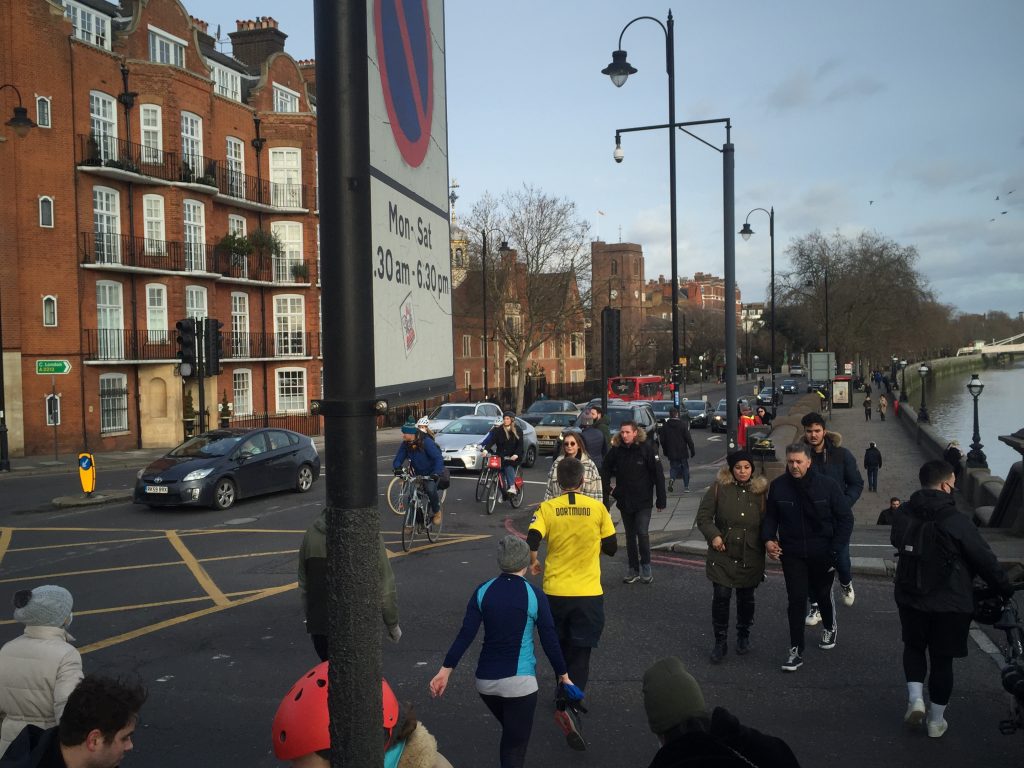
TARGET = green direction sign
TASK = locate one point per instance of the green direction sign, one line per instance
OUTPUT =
(51, 367)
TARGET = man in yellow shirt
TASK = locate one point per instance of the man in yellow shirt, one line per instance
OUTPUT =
(578, 529)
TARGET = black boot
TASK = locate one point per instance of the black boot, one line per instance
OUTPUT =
(744, 619)
(721, 646)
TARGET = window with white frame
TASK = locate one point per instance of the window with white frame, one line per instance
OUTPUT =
(576, 376)
(289, 326)
(285, 99)
(155, 240)
(286, 177)
(195, 236)
(576, 345)
(289, 233)
(113, 403)
(156, 313)
(191, 146)
(467, 379)
(103, 125)
(239, 261)
(467, 345)
(165, 48)
(43, 111)
(291, 389)
(241, 391)
(239, 324)
(195, 301)
(106, 225)
(50, 311)
(235, 154)
(89, 26)
(152, 133)
(227, 82)
(46, 211)
(109, 320)
(236, 225)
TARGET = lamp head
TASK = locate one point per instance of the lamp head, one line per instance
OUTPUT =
(923, 369)
(975, 386)
(746, 232)
(618, 153)
(620, 69)
(21, 123)
(903, 364)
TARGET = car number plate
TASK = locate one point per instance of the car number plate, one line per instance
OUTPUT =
(156, 489)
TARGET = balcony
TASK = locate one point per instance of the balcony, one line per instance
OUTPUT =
(126, 160)
(258, 194)
(125, 346)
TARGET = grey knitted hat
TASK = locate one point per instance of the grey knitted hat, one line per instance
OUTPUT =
(46, 606)
(513, 554)
(671, 695)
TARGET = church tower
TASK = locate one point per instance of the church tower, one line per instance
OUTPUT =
(617, 281)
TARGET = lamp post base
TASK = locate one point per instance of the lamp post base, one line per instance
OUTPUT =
(922, 416)
(5, 462)
(976, 458)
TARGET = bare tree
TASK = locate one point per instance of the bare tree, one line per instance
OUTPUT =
(537, 289)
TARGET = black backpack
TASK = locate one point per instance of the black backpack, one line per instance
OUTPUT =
(926, 556)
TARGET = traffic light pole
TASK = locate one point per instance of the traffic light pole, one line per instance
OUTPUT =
(201, 373)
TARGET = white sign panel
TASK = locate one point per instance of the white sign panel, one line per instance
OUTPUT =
(412, 290)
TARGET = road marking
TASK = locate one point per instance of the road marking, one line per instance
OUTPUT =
(5, 541)
(198, 572)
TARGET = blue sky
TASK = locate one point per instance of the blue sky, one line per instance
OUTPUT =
(915, 105)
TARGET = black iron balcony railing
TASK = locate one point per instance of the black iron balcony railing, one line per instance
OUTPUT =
(120, 345)
(124, 155)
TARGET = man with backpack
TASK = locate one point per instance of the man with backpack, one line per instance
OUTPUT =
(939, 552)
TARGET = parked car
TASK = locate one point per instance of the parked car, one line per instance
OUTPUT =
(767, 396)
(550, 428)
(446, 413)
(540, 408)
(219, 467)
(719, 419)
(789, 387)
(639, 411)
(661, 409)
(460, 442)
(699, 412)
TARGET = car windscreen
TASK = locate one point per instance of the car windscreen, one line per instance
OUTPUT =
(693, 405)
(206, 446)
(618, 415)
(557, 420)
(468, 427)
(451, 411)
(661, 408)
(546, 406)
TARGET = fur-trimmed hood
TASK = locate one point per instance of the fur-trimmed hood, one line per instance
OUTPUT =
(832, 439)
(421, 751)
(758, 483)
(641, 436)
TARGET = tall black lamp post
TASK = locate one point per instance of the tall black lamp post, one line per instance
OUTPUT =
(922, 413)
(903, 382)
(22, 124)
(976, 457)
(483, 286)
(745, 233)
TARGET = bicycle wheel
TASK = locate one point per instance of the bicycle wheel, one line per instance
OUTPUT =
(481, 483)
(433, 531)
(409, 525)
(516, 499)
(493, 492)
(395, 489)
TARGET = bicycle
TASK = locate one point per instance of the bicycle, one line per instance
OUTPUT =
(397, 491)
(415, 506)
(1004, 615)
(494, 485)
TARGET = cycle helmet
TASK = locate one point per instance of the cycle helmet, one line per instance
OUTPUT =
(423, 423)
(301, 725)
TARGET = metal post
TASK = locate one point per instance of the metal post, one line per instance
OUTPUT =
(5, 459)
(483, 281)
(827, 347)
(670, 67)
(729, 223)
(771, 239)
(976, 458)
(922, 413)
(686, 354)
(353, 520)
(903, 383)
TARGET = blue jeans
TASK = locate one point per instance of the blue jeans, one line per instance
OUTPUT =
(872, 478)
(679, 469)
(430, 488)
(508, 469)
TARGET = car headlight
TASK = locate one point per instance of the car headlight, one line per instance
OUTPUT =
(197, 474)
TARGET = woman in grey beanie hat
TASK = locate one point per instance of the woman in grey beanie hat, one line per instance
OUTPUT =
(40, 668)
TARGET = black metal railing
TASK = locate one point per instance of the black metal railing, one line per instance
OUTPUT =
(124, 155)
(114, 345)
(242, 186)
(302, 423)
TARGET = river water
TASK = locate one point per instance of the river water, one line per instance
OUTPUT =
(1000, 412)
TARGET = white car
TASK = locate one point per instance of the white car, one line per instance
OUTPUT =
(445, 414)
(460, 442)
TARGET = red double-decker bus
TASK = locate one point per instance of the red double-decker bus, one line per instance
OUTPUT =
(641, 387)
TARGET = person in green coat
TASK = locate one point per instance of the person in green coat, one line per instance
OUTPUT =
(730, 517)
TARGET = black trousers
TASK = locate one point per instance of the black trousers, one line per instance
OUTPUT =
(808, 577)
(720, 600)
(516, 718)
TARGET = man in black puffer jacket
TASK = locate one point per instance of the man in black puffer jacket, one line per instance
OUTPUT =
(939, 620)
(806, 522)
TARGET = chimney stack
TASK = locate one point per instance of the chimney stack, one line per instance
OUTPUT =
(255, 40)
(204, 32)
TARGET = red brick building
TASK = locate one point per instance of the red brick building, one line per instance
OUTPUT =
(166, 179)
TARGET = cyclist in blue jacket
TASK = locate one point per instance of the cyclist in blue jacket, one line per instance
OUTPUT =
(427, 462)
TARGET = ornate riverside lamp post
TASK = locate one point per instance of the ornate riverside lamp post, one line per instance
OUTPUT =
(922, 412)
(976, 457)
(903, 383)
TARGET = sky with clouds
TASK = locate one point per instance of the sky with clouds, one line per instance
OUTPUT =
(901, 117)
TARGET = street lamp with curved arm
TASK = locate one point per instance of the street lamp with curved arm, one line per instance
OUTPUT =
(20, 121)
(745, 233)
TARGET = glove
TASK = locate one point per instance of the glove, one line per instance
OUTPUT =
(395, 633)
(692, 454)
(398, 472)
(572, 692)
(435, 478)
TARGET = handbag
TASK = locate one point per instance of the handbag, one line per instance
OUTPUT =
(444, 480)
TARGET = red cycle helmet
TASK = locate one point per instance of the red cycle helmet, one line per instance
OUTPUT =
(301, 725)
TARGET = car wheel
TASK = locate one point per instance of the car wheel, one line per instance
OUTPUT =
(531, 457)
(224, 493)
(304, 480)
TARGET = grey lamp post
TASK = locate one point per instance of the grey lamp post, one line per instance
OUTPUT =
(22, 124)
(976, 457)
(903, 383)
(922, 413)
(745, 233)
(483, 283)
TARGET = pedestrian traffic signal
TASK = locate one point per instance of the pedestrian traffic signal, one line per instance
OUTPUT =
(677, 374)
(213, 343)
(186, 346)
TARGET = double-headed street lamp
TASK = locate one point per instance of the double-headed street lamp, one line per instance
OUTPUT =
(976, 457)
(922, 413)
(745, 233)
(22, 124)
